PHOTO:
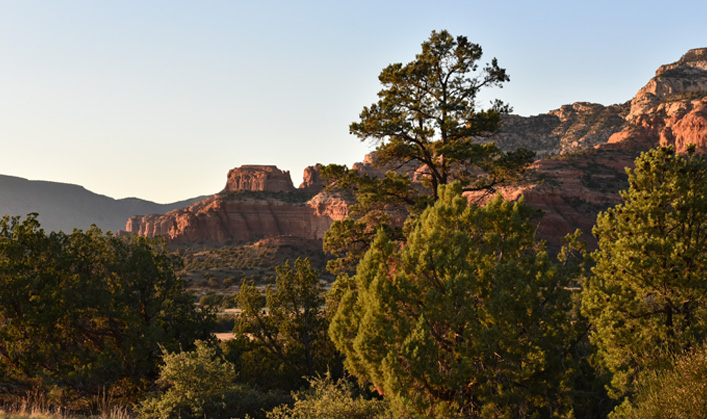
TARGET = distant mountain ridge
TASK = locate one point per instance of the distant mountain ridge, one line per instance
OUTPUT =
(63, 206)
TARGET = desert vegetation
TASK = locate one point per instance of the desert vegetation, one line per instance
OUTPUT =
(440, 307)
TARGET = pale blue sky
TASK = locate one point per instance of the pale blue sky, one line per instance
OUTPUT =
(159, 99)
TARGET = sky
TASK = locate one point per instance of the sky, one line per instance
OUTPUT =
(159, 99)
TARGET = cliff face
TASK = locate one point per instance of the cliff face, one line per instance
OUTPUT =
(219, 219)
(583, 150)
(258, 178)
(572, 188)
(564, 130)
(257, 202)
(686, 77)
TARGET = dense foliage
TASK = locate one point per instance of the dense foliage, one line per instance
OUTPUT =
(282, 338)
(676, 392)
(648, 299)
(200, 384)
(469, 317)
(329, 399)
(85, 312)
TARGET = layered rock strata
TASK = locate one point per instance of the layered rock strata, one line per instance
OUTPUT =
(686, 77)
(584, 147)
(564, 130)
(258, 178)
(257, 202)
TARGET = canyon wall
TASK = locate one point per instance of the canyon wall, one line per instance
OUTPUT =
(583, 150)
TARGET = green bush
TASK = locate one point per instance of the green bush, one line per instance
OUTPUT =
(199, 384)
(326, 399)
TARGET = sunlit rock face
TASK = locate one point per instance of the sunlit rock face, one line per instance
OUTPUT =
(221, 219)
(588, 146)
(257, 202)
(567, 129)
(312, 179)
(258, 178)
(686, 77)
(583, 150)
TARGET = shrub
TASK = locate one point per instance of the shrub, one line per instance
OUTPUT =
(199, 384)
(327, 399)
(679, 391)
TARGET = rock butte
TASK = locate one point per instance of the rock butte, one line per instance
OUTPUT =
(584, 149)
(257, 202)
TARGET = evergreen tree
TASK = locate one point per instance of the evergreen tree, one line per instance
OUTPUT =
(426, 120)
(282, 338)
(647, 300)
(467, 317)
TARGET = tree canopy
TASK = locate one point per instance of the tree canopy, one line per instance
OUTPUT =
(88, 311)
(468, 317)
(427, 115)
(282, 338)
(647, 300)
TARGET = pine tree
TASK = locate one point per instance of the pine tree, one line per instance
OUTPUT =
(648, 298)
(427, 119)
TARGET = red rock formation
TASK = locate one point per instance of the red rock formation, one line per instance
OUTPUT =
(258, 178)
(265, 210)
(688, 75)
(570, 189)
(221, 218)
(312, 179)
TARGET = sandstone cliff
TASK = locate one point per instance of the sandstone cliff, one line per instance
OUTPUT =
(564, 130)
(572, 188)
(583, 150)
(258, 178)
(686, 77)
(257, 202)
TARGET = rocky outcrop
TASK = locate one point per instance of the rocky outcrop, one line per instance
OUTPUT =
(257, 202)
(676, 123)
(584, 150)
(258, 178)
(572, 187)
(564, 130)
(679, 80)
(223, 218)
(571, 190)
(583, 125)
(312, 178)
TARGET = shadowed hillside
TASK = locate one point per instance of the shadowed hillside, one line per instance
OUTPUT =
(63, 206)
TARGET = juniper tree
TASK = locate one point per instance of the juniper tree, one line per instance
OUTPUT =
(282, 336)
(466, 317)
(647, 300)
(87, 312)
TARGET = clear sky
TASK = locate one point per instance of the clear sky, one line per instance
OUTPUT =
(160, 98)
